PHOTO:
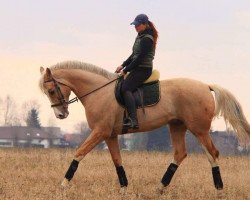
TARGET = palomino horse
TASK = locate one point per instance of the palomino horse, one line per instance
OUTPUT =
(185, 104)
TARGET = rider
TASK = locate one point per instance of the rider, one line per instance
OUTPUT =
(139, 64)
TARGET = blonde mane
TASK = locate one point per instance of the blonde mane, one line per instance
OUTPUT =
(84, 66)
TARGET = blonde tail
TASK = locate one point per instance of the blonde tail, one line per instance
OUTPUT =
(228, 107)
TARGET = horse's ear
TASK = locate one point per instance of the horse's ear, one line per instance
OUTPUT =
(48, 73)
(41, 69)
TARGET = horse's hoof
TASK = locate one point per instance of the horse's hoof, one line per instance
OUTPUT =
(65, 183)
(123, 191)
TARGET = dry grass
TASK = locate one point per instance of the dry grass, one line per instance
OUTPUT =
(37, 173)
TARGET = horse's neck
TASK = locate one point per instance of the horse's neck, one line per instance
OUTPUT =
(82, 82)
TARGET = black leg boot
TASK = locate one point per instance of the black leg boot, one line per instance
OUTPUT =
(132, 121)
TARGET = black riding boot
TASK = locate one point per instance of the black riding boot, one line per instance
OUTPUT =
(131, 121)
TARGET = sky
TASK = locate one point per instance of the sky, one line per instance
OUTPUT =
(204, 40)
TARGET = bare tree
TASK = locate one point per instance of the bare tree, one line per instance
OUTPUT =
(10, 114)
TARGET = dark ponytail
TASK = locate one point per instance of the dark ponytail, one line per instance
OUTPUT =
(155, 32)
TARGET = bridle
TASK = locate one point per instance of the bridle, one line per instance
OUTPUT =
(60, 97)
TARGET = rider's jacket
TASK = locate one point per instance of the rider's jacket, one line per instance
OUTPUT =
(143, 52)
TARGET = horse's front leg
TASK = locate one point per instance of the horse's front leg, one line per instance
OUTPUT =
(93, 139)
(114, 149)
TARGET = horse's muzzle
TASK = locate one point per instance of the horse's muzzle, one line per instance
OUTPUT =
(62, 115)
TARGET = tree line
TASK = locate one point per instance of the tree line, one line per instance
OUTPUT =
(11, 115)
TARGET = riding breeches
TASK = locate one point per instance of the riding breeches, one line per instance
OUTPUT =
(135, 79)
(130, 84)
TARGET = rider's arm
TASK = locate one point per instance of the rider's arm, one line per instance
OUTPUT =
(128, 61)
(146, 46)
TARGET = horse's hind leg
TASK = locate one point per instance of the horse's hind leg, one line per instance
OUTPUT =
(177, 131)
(114, 150)
(212, 154)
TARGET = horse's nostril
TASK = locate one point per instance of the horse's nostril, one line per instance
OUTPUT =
(61, 115)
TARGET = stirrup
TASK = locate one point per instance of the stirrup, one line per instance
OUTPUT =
(129, 123)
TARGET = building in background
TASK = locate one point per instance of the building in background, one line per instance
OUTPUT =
(22, 136)
(156, 140)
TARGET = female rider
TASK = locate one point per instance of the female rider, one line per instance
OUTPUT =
(139, 64)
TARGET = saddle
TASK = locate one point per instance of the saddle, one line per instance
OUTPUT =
(148, 94)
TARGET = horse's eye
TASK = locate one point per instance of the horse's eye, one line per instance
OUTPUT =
(51, 92)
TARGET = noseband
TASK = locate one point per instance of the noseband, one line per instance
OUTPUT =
(60, 97)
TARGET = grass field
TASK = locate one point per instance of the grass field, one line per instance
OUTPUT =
(37, 174)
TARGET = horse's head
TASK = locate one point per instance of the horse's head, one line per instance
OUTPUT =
(57, 91)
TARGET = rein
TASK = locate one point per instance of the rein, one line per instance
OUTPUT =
(61, 99)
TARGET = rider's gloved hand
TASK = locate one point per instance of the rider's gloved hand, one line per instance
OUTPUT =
(118, 69)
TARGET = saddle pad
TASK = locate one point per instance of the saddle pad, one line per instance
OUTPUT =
(155, 76)
(148, 92)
